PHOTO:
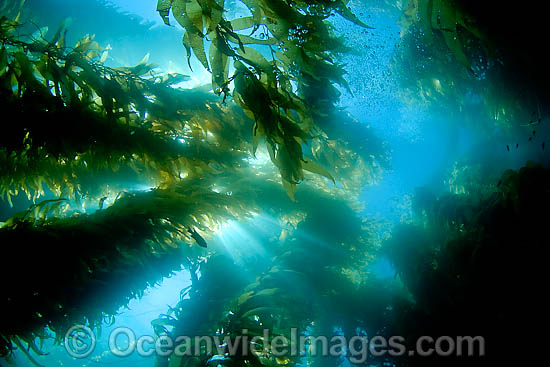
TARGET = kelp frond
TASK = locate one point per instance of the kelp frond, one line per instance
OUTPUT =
(300, 52)
(112, 254)
(86, 130)
(83, 118)
(319, 240)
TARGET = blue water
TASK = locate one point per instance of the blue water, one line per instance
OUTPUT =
(421, 145)
(136, 316)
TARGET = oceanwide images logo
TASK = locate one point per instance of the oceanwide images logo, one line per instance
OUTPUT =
(80, 342)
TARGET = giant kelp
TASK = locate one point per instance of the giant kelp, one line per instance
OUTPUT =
(108, 257)
(120, 29)
(132, 119)
(473, 269)
(302, 50)
(83, 118)
(450, 57)
(85, 130)
(310, 259)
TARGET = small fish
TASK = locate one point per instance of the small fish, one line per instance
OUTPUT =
(534, 132)
(517, 146)
(543, 145)
(530, 138)
(499, 183)
(198, 238)
(507, 147)
(533, 122)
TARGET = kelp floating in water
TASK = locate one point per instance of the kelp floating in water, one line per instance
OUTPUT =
(474, 268)
(302, 50)
(445, 17)
(84, 126)
(117, 251)
(84, 120)
(129, 119)
(454, 53)
(296, 277)
(86, 266)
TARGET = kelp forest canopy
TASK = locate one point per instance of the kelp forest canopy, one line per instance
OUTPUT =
(129, 177)
(88, 136)
(480, 59)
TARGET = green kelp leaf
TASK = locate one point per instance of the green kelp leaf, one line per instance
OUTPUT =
(253, 58)
(290, 189)
(163, 8)
(189, 15)
(255, 140)
(247, 40)
(454, 44)
(443, 16)
(242, 23)
(198, 48)
(39, 34)
(225, 32)
(3, 60)
(240, 39)
(269, 292)
(255, 9)
(195, 43)
(425, 10)
(220, 37)
(187, 45)
(175, 78)
(220, 65)
(344, 11)
(54, 207)
(142, 68)
(260, 311)
(86, 45)
(314, 167)
(243, 298)
(290, 158)
(254, 96)
(215, 4)
(59, 37)
(214, 12)
(445, 20)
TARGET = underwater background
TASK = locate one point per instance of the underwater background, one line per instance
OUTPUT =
(349, 168)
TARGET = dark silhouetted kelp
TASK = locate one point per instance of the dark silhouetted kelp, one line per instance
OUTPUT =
(453, 53)
(475, 269)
